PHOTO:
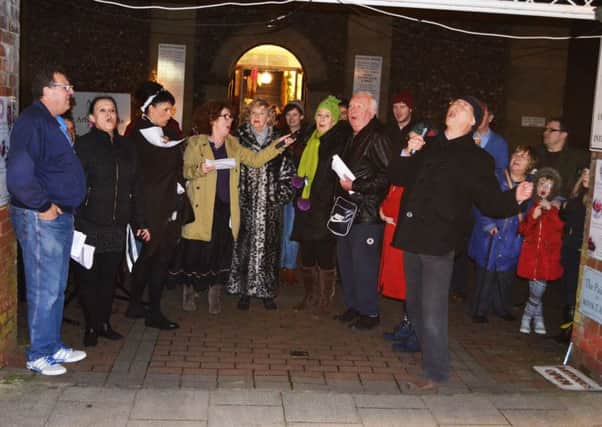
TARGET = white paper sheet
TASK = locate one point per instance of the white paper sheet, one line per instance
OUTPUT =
(131, 248)
(227, 163)
(81, 252)
(154, 135)
(341, 169)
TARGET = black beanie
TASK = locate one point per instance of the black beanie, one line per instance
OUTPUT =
(476, 108)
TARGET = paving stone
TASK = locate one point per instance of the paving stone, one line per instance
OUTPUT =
(463, 409)
(98, 394)
(388, 402)
(161, 381)
(171, 405)
(526, 401)
(585, 407)
(27, 405)
(310, 387)
(125, 380)
(71, 413)
(242, 416)
(246, 397)
(383, 387)
(90, 379)
(537, 418)
(163, 423)
(319, 407)
(397, 418)
(321, 425)
(273, 385)
(341, 386)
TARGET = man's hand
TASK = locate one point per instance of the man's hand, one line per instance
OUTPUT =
(288, 140)
(524, 190)
(51, 214)
(346, 183)
(385, 218)
(205, 168)
(415, 143)
(143, 234)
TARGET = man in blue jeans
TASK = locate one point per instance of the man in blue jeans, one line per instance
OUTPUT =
(46, 183)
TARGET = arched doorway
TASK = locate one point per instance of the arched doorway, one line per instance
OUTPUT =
(266, 71)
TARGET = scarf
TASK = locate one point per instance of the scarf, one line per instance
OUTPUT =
(309, 163)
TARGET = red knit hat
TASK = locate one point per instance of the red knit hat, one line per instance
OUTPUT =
(404, 96)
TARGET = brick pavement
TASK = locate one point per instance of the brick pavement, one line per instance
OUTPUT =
(284, 350)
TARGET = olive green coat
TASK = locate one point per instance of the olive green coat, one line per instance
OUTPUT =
(201, 188)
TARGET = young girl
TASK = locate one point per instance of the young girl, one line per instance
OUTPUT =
(540, 253)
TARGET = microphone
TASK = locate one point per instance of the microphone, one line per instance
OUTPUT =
(292, 136)
(425, 129)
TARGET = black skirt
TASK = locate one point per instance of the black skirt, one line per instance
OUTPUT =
(204, 264)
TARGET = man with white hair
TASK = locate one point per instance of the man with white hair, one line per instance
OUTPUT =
(367, 155)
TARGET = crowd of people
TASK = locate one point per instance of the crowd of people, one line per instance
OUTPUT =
(234, 208)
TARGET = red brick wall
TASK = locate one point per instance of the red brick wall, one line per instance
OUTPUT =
(587, 333)
(9, 80)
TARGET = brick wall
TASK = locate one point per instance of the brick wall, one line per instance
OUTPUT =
(587, 333)
(9, 78)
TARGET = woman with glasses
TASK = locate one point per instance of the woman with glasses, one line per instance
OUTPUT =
(114, 199)
(263, 192)
(159, 154)
(213, 192)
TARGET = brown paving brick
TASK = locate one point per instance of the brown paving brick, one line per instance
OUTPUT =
(235, 372)
(376, 377)
(271, 372)
(358, 369)
(310, 369)
(217, 365)
(165, 370)
(341, 376)
(182, 364)
(251, 366)
(200, 372)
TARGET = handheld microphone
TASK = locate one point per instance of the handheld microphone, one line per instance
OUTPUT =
(422, 134)
(292, 136)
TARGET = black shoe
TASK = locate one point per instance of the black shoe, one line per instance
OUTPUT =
(508, 317)
(244, 302)
(349, 315)
(107, 332)
(160, 322)
(269, 304)
(479, 319)
(90, 338)
(136, 310)
(365, 323)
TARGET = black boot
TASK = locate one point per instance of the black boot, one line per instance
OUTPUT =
(90, 337)
(107, 332)
(158, 321)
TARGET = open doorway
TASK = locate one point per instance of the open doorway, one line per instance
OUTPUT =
(266, 71)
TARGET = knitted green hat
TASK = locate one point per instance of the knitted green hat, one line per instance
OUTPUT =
(331, 104)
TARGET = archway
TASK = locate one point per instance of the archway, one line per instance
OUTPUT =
(267, 71)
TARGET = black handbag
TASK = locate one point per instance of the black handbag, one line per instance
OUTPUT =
(341, 217)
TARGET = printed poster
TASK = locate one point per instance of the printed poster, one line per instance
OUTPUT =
(595, 226)
(367, 75)
(171, 69)
(590, 304)
(8, 115)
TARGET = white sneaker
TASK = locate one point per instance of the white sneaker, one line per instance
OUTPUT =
(46, 366)
(540, 326)
(525, 324)
(68, 355)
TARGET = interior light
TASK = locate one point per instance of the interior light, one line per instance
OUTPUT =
(265, 78)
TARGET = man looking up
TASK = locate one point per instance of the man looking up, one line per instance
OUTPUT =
(46, 183)
(367, 154)
(443, 176)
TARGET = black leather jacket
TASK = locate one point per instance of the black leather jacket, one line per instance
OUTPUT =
(367, 154)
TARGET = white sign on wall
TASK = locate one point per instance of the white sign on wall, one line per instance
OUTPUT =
(595, 224)
(171, 69)
(82, 107)
(8, 115)
(367, 74)
(595, 143)
(532, 122)
(591, 294)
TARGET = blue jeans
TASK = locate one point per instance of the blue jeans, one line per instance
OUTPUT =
(358, 256)
(288, 258)
(46, 247)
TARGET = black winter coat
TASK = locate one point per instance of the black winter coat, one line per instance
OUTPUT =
(442, 182)
(114, 194)
(311, 225)
(367, 154)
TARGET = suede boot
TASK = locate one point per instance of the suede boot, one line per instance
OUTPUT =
(327, 280)
(214, 296)
(309, 277)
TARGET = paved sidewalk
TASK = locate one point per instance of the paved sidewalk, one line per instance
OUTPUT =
(38, 403)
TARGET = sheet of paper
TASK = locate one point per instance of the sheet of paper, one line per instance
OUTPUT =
(154, 136)
(341, 169)
(227, 163)
(85, 253)
(77, 246)
(132, 248)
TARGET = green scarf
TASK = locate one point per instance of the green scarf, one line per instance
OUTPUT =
(309, 163)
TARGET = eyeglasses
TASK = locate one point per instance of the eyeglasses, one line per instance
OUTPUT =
(67, 88)
(552, 130)
(227, 116)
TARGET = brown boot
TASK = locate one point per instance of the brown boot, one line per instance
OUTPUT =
(327, 279)
(309, 277)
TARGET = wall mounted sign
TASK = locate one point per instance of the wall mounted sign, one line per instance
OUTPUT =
(171, 70)
(590, 304)
(367, 75)
(8, 115)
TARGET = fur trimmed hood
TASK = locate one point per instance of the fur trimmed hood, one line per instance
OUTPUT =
(551, 174)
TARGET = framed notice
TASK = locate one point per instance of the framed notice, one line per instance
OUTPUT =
(595, 143)
(590, 304)
(595, 224)
(8, 115)
(367, 74)
(82, 107)
(171, 68)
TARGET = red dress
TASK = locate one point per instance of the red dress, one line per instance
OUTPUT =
(540, 254)
(391, 277)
